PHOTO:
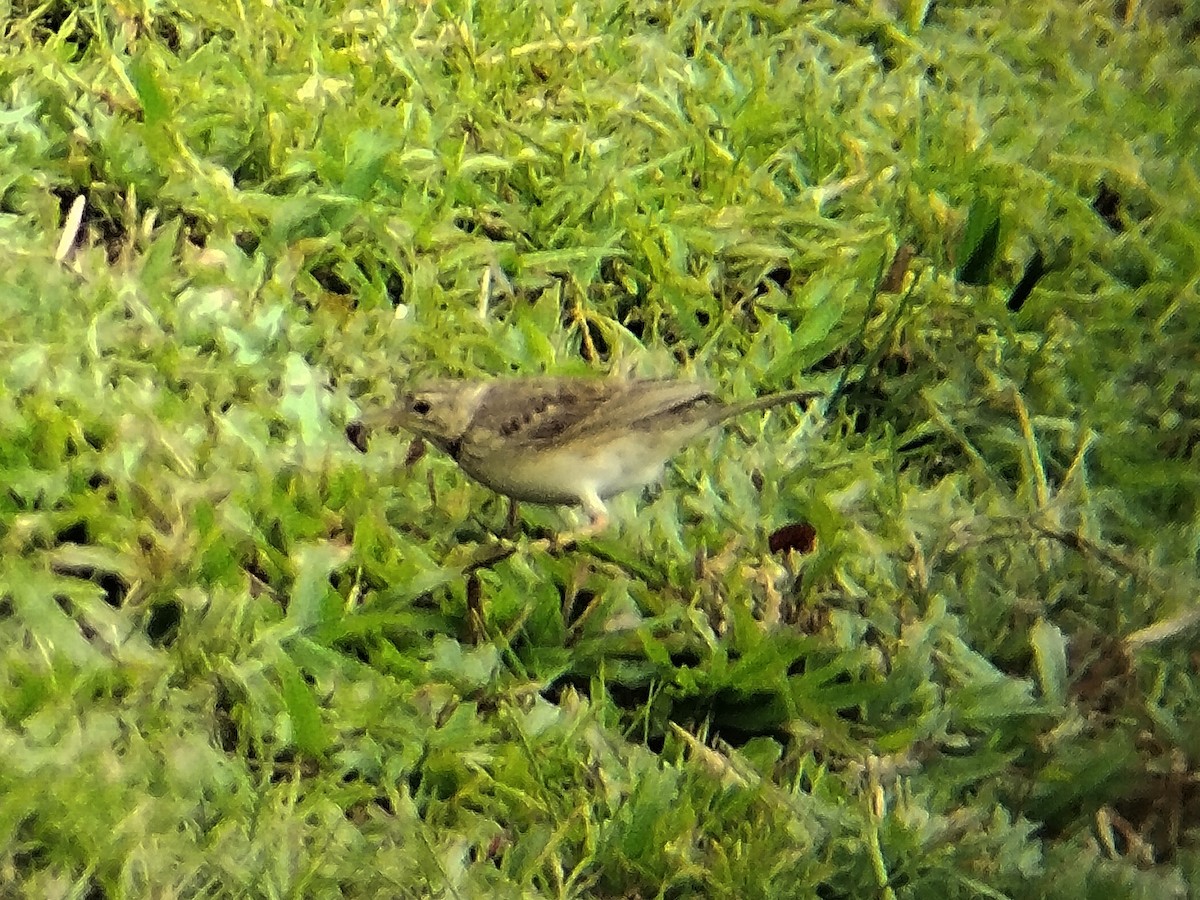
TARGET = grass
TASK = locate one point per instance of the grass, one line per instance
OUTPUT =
(241, 659)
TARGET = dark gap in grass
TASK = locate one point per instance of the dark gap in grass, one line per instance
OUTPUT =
(835, 361)
(1034, 270)
(1018, 664)
(162, 625)
(394, 286)
(881, 46)
(781, 275)
(52, 19)
(114, 586)
(1163, 808)
(357, 814)
(935, 467)
(6, 607)
(330, 280)
(248, 242)
(629, 312)
(799, 536)
(415, 779)
(253, 169)
(760, 289)
(470, 532)
(112, 234)
(282, 762)
(354, 646)
(340, 581)
(1182, 441)
(33, 855)
(981, 243)
(359, 436)
(1008, 472)
(490, 223)
(276, 535)
(168, 32)
(191, 227)
(1100, 667)
(626, 696)
(636, 327)
(920, 442)
(580, 602)
(100, 480)
(866, 403)
(75, 533)
(1130, 269)
(883, 397)
(438, 786)
(89, 633)
(259, 579)
(893, 280)
(290, 764)
(1107, 205)
(553, 691)
(737, 737)
(655, 742)
(685, 887)
(225, 729)
(894, 365)
(726, 710)
(598, 342)
(1056, 824)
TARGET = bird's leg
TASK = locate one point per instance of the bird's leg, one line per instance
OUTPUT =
(514, 519)
(597, 515)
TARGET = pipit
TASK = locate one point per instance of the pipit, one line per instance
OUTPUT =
(565, 441)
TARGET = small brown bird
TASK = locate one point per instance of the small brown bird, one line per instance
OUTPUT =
(565, 441)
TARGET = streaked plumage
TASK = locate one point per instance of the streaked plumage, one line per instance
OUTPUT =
(568, 441)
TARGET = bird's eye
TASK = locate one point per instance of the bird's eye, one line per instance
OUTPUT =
(421, 407)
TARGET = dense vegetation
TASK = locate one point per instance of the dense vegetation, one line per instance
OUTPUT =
(240, 658)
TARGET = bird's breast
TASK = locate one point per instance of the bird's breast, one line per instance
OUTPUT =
(564, 475)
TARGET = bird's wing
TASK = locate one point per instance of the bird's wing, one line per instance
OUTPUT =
(532, 414)
(656, 404)
(535, 413)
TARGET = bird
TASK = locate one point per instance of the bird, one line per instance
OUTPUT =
(563, 440)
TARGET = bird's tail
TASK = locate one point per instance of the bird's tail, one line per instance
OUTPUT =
(768, 401)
